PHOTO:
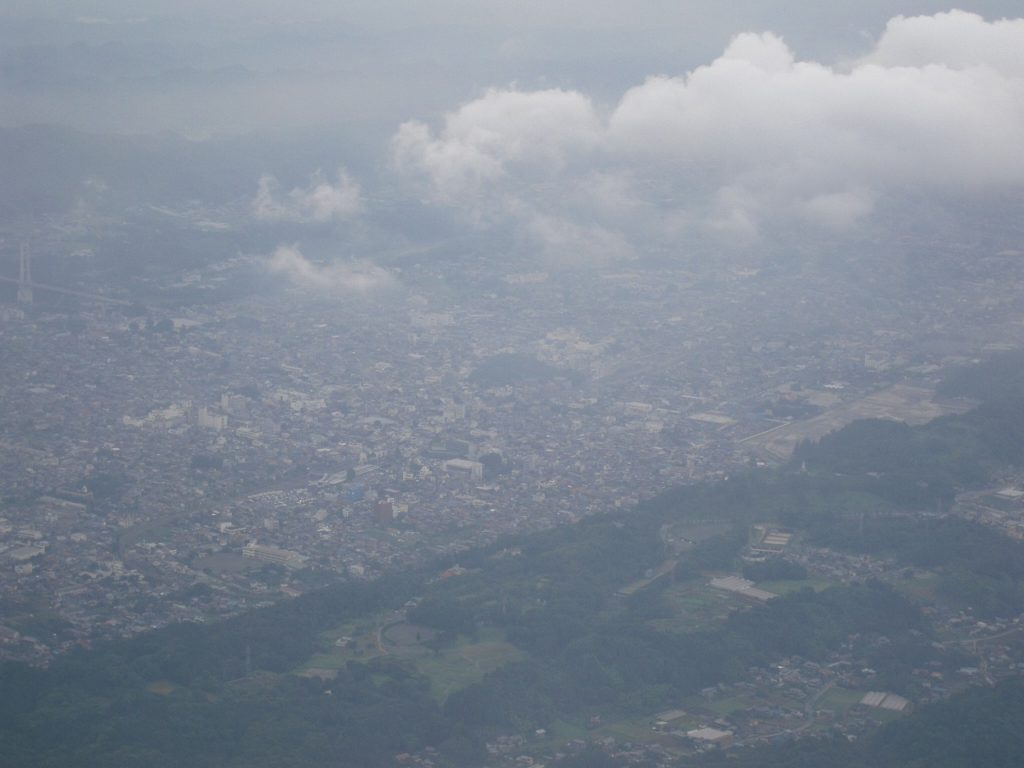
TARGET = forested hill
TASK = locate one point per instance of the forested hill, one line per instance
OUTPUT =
(1001, 377)
(581, 622)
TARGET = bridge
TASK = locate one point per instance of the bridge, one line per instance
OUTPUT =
(26, 285)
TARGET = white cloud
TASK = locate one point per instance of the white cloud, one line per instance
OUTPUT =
(839, 209)
(956, 39)
(351, 276)
(568, 242)
(752, 140)
(532, 134)
(317, 203)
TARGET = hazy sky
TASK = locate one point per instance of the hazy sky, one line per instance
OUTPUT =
(590, 129)
(202, 68)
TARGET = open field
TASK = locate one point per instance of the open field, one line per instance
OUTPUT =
(914, 405)
(636, 729)
(784, 587)
(449, 668)
(723, 706)
(662, 570)
(353, 641)
(840, 700)
(466, 662)
(161, 687)
(695, 606)
(561, 731)
(921, 589)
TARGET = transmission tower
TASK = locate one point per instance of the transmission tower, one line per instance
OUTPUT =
(24, 275)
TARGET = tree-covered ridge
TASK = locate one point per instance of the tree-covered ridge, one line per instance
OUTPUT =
(622, 662)
(921, 466)
(1001, 377)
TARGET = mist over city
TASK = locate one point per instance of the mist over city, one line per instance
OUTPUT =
(488, 384)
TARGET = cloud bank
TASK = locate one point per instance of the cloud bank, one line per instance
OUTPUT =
(352, 276)
(754, 140)
(319, 202)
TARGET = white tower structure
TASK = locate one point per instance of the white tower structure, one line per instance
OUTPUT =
(24, 275)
